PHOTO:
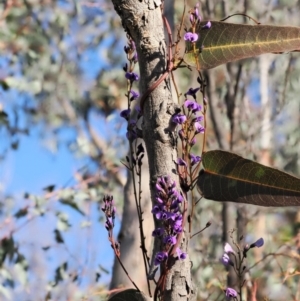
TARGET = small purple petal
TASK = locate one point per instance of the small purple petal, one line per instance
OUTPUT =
(181, 134)
(199, 128)
(160, 257)
(180, 254)
(198, 119)
(259, 243)
(193, 141)
(158, 232)
(171, 216)
(177, 228)
(191, 37)
(207, 25)
(171, 240)
(126, 49)
(125, 114)
(192, 92)
(156, 209)
(194, 159)
(181, 162)
(131, 76)
(179, 118)
(230, 293)
(192, 18)
(158, 187)
(192, 106)
(228, 248)
(159, 200)
(197, 11)
(226, 260)
(134, 94)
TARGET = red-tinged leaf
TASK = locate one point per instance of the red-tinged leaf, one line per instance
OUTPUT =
(227, 42)
(129, 295)
(227, 177)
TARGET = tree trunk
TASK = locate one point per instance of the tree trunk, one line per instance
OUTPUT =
(142, 20)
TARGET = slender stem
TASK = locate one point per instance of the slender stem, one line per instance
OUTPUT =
(241, 14)
(111, 239)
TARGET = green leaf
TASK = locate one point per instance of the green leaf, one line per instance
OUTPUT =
(227, 42)
(227, 177)
(21, 212)
(3, 117)
(72, 204)
(58, 237)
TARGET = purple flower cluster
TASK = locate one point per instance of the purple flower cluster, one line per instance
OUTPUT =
(131, 76)
(131, 53)
(195, 19)
(226, 260)
(109, 210)
(167, 210)
(190, 127)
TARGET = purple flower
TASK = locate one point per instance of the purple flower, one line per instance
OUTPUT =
(179, 118)
(126, 49)
(192, 92)
(172, 216)
(197, 119)
(177, 228)
(192, 106)
(198, 128)
(194, 159)
(125, 114)
(180, 254)
(207, 25)
(181, 134)
(160, 257)
(259, 243)
(196, 11)
(174, 206)
(131, 76)
(194, 16)
(226, 260)
(158, 232)
(156, 209)
(228, 249)
(181, 162)
(191, 37)
(109, 224)
(159, 200)
(134, 94)
(169, 239)
(230, 293)
(131, 135)
(177, 197)
(158, 187)
(193, 141)
(161, 215)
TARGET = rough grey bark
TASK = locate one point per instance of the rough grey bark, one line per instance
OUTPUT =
(143, 22)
